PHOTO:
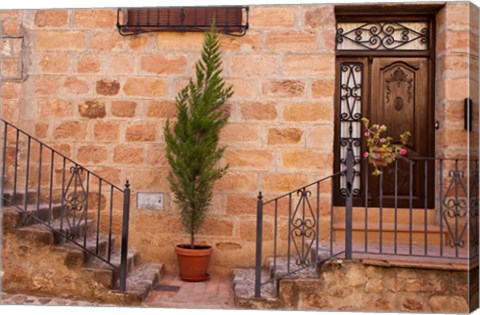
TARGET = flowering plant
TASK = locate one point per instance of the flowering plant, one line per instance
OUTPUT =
(380, 150)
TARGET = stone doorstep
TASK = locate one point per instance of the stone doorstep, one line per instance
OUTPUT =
(15, 218)
(42, 235)
(420, 265)
(19, 197)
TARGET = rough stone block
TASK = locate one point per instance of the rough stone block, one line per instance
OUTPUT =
(160, 64)
(248, 228)
(122, 63)
(249, 42)
(320, 111)
(291, 41)
(188, 41)
(89, 64)
(51, 18)
(320, 17)
(238, 133)
(272, 17)
(55, 63)
(106, 41)
(323, 88)
(162, 109)
(250, 159)
(448, 304)
(237, 182)
(128, 155)
(71, 130)
(94, 18)
(107, 87)
(91, 154)
(254, 65)
(148, 87)
(217, 227)
(284, 88)
(60, 40)
(10, 90)
(54, 107)
(284, 136)
(10, 68)
(258, 111)
(307, 159)
(11, 27)
(141, 132)
(74, 85)
(92, 109)
(47, 85)
(241, 204)
(321, 65)
(41, 130)
(282, 182)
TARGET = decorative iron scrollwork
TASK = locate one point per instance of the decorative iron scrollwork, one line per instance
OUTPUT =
(74, 200)
(382, 36)
(455, 208)
(350, 120)
(303, 227)
(474, 178)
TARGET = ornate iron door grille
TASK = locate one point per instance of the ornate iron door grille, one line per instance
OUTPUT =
(382, 36)
(351, 98)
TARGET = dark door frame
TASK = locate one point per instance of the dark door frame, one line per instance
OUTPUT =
(361, 56)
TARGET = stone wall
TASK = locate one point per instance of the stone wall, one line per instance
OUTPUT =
(353, 286)
(103, 99)
(33, 267)
(452, 81)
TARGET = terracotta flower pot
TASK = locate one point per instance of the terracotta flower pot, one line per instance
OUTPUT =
(377, 157)
(193, 263)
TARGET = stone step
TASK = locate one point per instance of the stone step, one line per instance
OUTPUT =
(278, 268)
(90, 243)
(14, 218)
(243, 285)
(44, 235)
(389, 230)
(388, 215)
(107, 274)
(18, 197)
(143, 279)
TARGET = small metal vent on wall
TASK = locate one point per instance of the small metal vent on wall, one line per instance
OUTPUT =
(231, 20)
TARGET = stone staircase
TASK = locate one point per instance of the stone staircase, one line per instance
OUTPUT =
(243, 282)
(397, 225)
(37, 260)
(357, 285)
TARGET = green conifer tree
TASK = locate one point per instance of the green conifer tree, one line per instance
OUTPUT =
(193, 151)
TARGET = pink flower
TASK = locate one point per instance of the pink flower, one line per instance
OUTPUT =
(367, 133)
(403, 151)
(365, 155)
(382, 140)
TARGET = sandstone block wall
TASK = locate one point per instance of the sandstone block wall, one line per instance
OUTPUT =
(353, 286)
(103, 99)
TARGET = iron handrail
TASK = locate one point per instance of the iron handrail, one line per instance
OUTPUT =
(458, 202)
(76, 192)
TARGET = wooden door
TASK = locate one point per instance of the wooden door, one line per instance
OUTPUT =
(396, 92)
(400, 99)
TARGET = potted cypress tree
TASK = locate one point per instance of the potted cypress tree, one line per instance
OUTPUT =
(193, 152)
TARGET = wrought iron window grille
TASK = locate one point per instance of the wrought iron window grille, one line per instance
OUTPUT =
(230, 20)
(382, 36)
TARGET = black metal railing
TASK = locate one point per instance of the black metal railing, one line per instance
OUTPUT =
(51, 189)
(396, 226)
(432, 216)
(296, 232)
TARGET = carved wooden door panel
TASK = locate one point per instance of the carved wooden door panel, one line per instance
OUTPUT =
(400, 97)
